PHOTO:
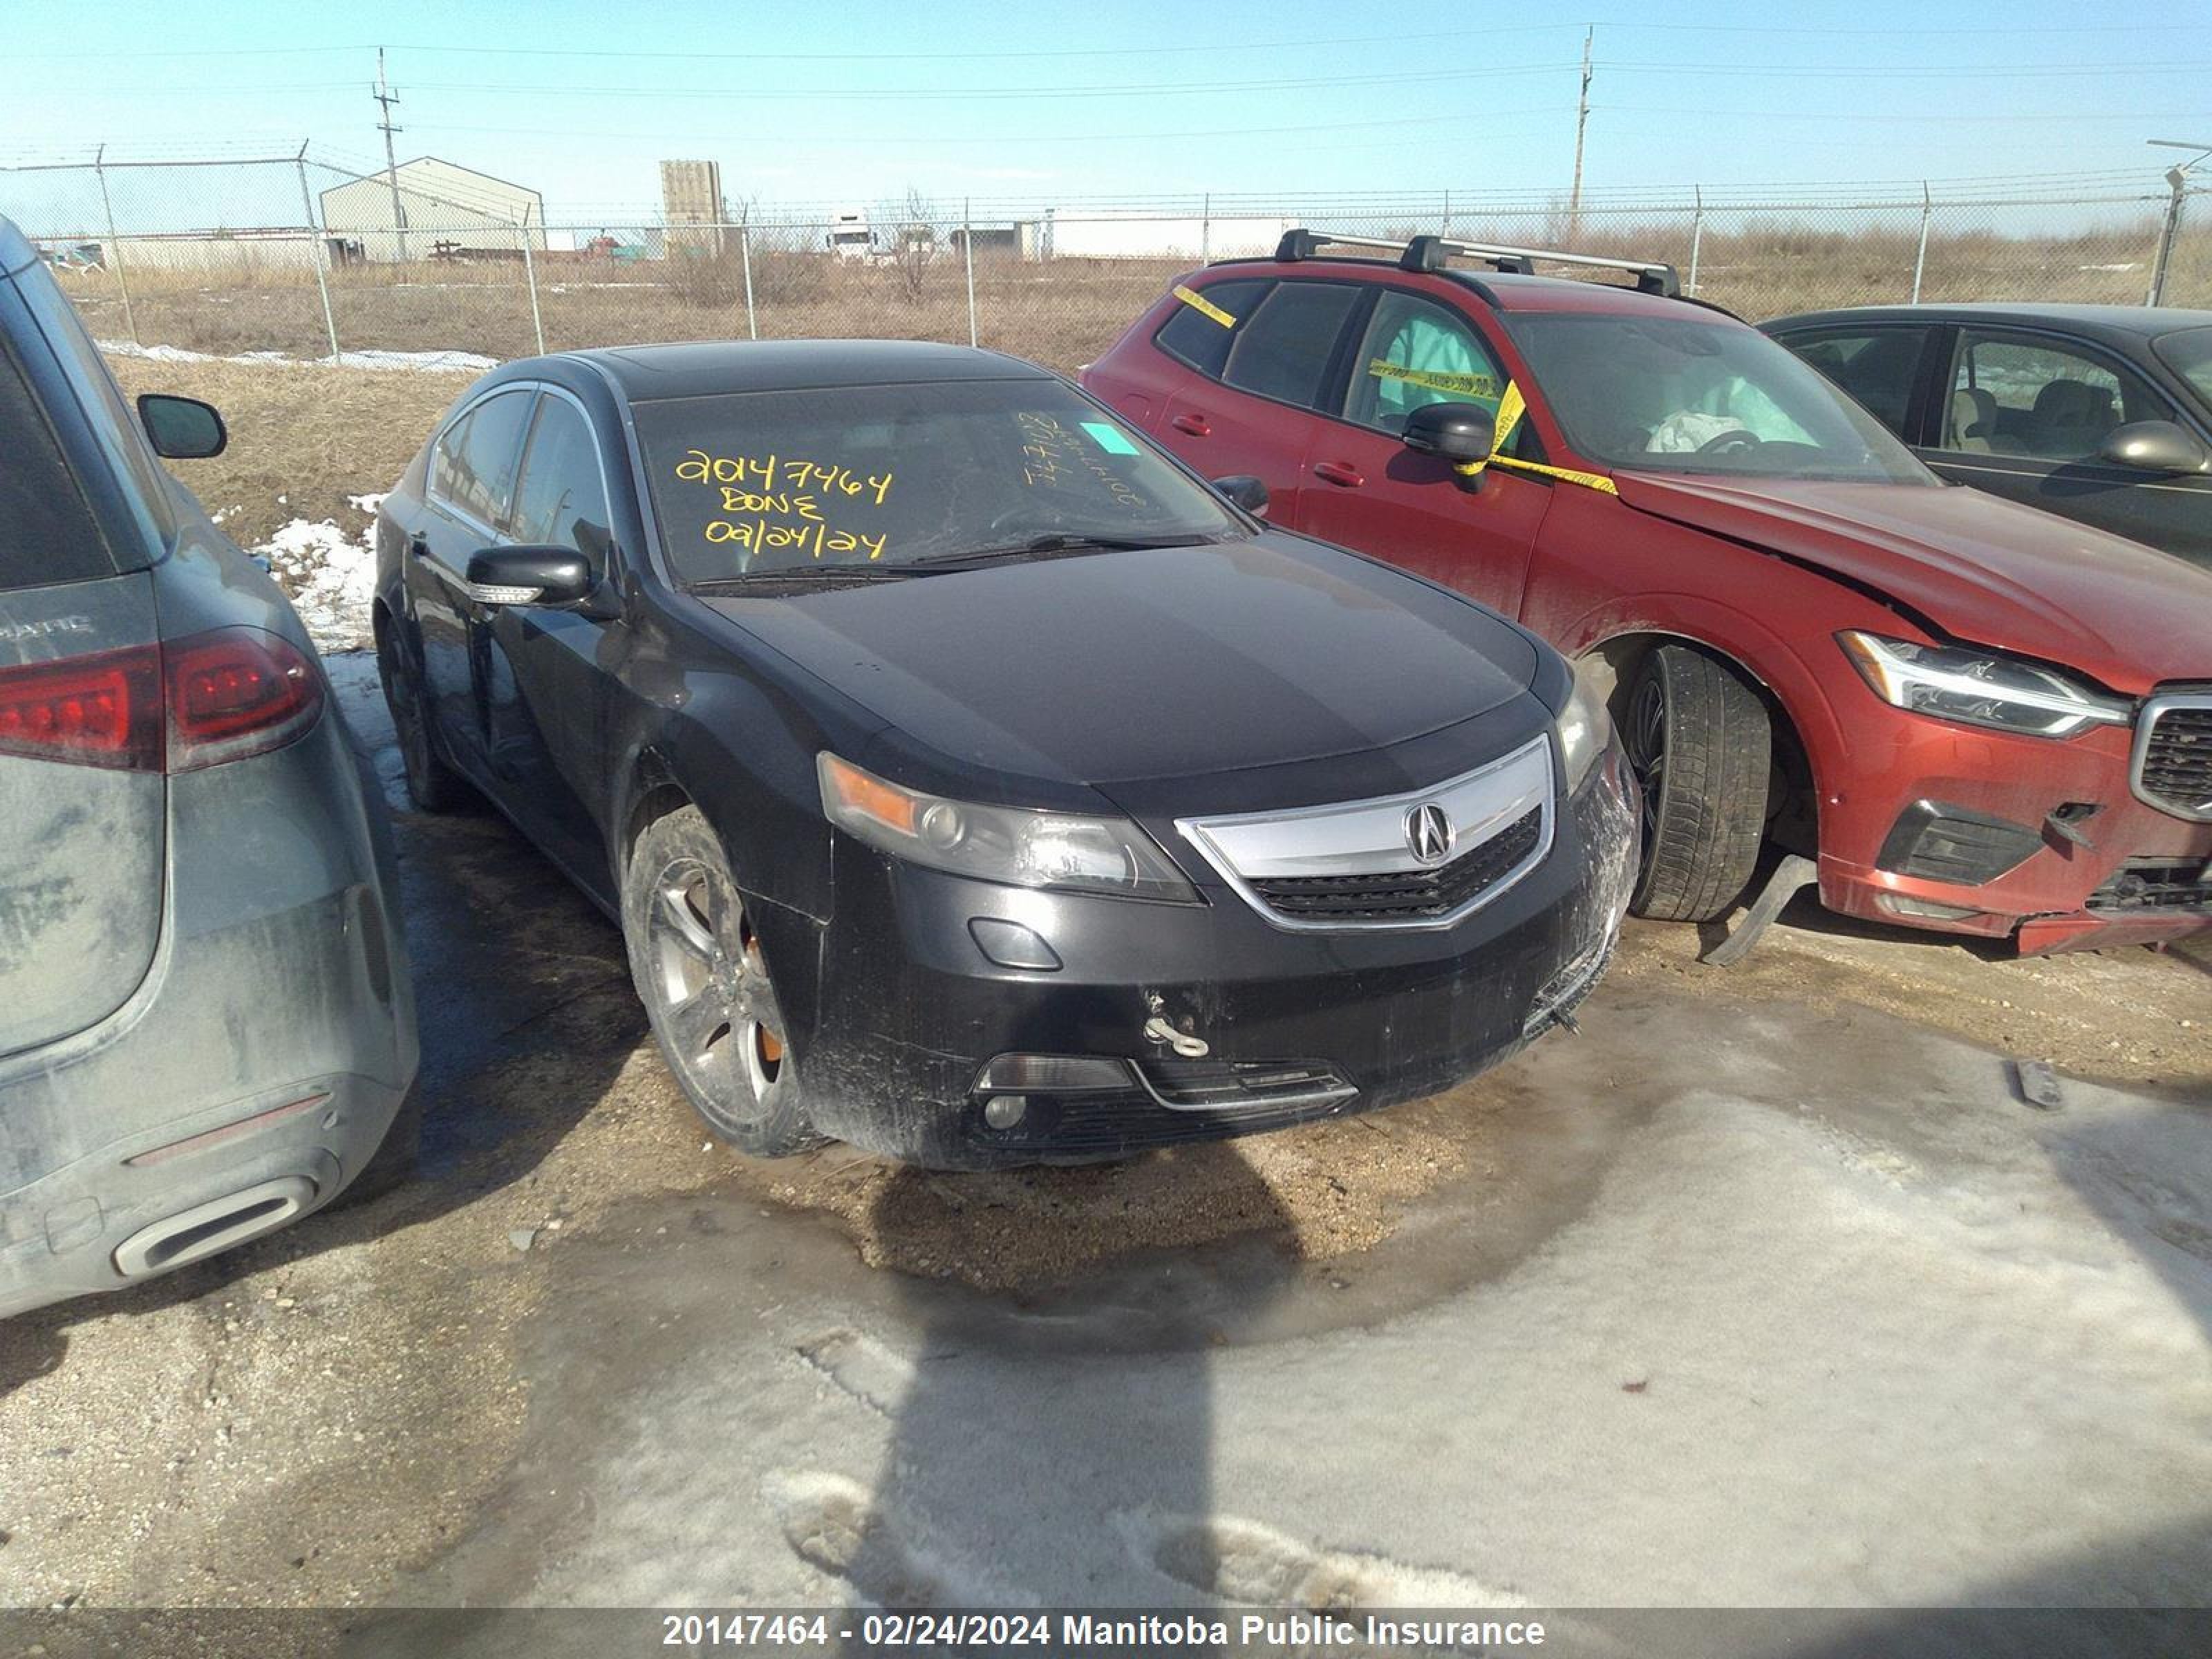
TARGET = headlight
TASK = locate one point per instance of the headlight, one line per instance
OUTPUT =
(1585, 729)
(1980, 688)
(1064, 850)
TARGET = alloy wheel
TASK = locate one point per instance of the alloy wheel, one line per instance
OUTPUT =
(708, 983)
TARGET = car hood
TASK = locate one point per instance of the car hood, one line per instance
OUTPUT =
(1152, 663)
(1982, 568)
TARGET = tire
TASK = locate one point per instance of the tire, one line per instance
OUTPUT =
(701, 973)
(432, 785)
(1699, 739)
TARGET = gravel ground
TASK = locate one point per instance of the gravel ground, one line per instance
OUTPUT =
(321, 1419)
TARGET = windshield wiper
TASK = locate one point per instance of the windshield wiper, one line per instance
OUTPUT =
(1057, 541)
(802, 572)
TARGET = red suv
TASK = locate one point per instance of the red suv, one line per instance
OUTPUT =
(1978, 717)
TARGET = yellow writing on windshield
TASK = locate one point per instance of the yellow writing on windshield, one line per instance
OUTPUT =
(759, 535)
(697, 466)
(772, 503)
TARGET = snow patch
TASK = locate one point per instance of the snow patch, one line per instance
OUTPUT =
(835, 1526)
(330, 574)
(1245, 1563)
(435, 362)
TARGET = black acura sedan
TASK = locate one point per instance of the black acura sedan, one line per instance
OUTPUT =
(972, 782)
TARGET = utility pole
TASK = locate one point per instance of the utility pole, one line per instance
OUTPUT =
(2177, 181)
(386, 99)
(1582, 124)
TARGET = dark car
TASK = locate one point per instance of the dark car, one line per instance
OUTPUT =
(1963, 713)
(970, 781)
(206, 1029)
(2101, 413)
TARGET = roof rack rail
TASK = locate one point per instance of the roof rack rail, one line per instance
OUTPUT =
(1430, 253)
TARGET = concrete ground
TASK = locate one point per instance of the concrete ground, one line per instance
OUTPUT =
(1767, 1290)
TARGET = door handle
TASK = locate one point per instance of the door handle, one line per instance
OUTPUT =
(1196, 425)
(1341, 473)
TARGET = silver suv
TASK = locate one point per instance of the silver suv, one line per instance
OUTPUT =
(206, 1027)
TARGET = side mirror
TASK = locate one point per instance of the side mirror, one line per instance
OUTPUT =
(1246, 491)
(181, 428)
(529, 575)
(2153, 446)
(1458, 433)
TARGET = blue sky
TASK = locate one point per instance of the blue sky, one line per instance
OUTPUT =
(823, 102)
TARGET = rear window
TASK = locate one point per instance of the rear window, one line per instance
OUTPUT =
(1198, 336)
(1284, 351)
(47, 533)
(475, 466)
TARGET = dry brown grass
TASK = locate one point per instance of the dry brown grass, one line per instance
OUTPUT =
(301, 439)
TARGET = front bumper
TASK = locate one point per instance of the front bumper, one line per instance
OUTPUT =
(906, 1010)
(2050, 890)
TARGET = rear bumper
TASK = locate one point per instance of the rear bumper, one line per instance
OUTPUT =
(906, 1016)
(273, 1039)
(104, 1223)
(2035, 884)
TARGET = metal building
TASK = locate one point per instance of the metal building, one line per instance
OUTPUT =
(441, 210)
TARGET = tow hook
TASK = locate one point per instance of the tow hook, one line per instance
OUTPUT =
(1157, 1029)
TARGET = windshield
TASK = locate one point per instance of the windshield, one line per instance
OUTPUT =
(886, 476)
(2188, 352)
(1687, 394)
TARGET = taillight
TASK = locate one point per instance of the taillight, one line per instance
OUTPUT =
(210, 697)
(234, 692)
(101, 709)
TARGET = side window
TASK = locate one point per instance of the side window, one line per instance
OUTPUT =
(1418, 353)
(114, 422)
(561, 501)
(48, 534)
(2013, 395)
(445, 462)
(1876, 366)
(1200, 339)
(475, 468)
(1284, 351)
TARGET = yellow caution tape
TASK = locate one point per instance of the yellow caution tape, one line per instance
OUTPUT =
(1436, 379)
(1511, 408)
(1204, 307)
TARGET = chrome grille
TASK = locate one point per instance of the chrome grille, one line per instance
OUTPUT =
(2173, 755)
(1360, 864)
(1422, 894)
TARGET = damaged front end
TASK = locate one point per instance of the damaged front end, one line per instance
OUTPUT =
(1271, 1003)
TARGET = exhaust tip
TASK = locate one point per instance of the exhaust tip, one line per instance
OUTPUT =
(218, 1225)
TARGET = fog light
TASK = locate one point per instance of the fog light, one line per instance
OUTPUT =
(1053, 1074)
(1004, 1111)
(1902, 904)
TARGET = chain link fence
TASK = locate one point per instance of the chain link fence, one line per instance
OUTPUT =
(299, 258)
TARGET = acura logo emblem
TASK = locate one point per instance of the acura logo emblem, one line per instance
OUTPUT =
(1429, 833)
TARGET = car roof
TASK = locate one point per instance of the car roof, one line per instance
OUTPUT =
(702, 368)
(1503, 290)
(2140, 322)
